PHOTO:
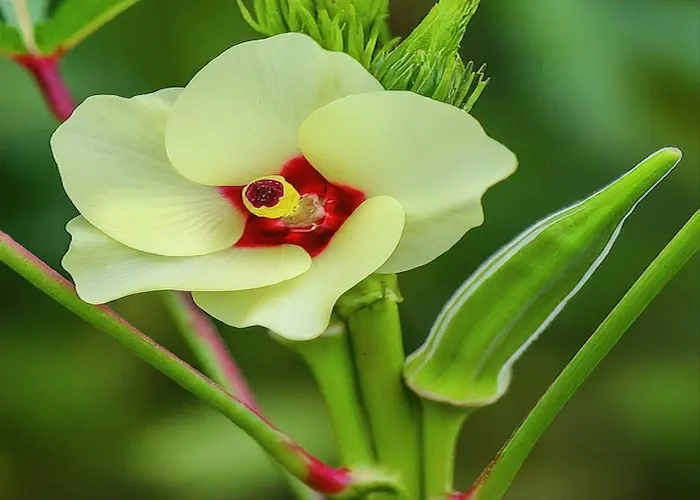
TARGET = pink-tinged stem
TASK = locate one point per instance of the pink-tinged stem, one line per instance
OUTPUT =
(289, 455)
(217, 362)
(48, 77)
(326, 479)
(459, 496)
(210, 349)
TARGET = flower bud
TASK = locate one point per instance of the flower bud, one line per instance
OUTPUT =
(502, 308)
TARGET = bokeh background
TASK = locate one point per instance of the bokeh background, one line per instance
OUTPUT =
(581, 90)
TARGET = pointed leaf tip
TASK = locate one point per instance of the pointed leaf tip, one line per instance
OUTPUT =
(502, 308)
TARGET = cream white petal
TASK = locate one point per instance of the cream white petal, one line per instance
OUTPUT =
(103, 269)
(425, 239)
(432, 157)
(425, 153)
(301, 308)
(112, 160)
(238, 119)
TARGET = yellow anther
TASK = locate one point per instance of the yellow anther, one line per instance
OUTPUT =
(271, 197)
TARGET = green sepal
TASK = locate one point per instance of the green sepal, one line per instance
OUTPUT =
(502, 308)
(428, 62)
(357, 27)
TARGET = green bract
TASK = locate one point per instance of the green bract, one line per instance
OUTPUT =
(502, 308)
(356, 27)
(428, 62)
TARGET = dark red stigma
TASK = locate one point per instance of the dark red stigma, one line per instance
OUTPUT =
(264, 193)
(339, 203)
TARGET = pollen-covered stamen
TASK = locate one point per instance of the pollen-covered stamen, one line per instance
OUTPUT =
(308, 213)
(271, 197)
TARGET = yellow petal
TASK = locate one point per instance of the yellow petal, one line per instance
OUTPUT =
(238, 119)
(112, 160)
(301, 308)
(432, 157)
(104, 269)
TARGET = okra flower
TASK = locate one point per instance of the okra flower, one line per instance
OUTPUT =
(276, 180)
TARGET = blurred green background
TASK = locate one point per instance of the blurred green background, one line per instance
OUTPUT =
(581, 90)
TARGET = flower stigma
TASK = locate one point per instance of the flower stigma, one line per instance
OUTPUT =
(271, 197)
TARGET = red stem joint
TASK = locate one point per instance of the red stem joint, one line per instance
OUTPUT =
(324, 478)
(48, 78)
(327, 480)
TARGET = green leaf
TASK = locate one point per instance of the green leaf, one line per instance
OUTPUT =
(29, 30)
(14, 10)
(502, 308)
(20, 16)
(10, 41)
(73, 20)
(496, 479)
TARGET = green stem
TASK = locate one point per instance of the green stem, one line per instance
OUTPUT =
(441, 426)
(337, 483)
(217, 362)
(371, 313)
(208, 347)
(329, 359)
(495, 480)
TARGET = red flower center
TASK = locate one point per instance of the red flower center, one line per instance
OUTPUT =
(337, 202)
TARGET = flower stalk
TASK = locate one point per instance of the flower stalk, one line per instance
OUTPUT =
(329, 359)
(441, 427)
(337, 483)
(371, 313)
